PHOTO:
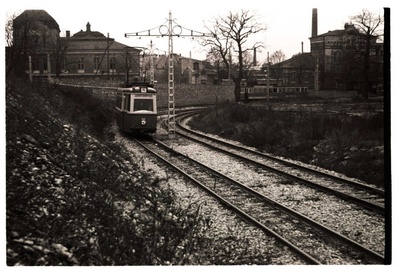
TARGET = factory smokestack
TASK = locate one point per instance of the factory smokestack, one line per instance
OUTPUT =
(255, 57)
(314, 30)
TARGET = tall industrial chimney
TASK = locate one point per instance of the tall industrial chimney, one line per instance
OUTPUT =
(255, 57)
(314, 30)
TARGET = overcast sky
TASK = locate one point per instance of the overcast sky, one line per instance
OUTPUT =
(288, 22)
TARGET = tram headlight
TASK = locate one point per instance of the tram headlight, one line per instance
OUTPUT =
(143, 122)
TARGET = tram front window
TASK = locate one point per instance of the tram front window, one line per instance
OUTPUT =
(143, 104)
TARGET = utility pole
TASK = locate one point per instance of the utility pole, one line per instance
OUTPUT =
(30, 69)
(151, 63)
(108, 58)
(126, 66)
(268, 78)
(171, 88)
(48, 67)
(316, 76)
(171, 30)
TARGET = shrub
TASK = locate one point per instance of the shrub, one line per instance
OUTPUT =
(75, 200)
(313, 137)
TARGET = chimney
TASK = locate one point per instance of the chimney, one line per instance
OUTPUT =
(301, 47)
(67, 33)
(314, 30)
(255, 57)
(88, 27)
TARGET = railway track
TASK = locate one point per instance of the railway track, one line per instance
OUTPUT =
(312, 241)
(363, 195)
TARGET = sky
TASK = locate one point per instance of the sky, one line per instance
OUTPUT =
(288, 22)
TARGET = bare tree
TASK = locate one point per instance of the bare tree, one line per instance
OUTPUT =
(368, 25)
(216, 61)
(277, 57)
(275, 69)
(10, 53)
(59, 52)
(9, 30)
(232, 33)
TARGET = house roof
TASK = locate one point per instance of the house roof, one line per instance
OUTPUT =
(88, 33)
(162, 61)
(348, 29)
(305, 60)
(36, 15)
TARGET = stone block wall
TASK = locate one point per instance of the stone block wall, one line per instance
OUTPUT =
(191, 95)
(185, 94)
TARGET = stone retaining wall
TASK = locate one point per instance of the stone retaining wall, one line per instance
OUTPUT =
(185, 94)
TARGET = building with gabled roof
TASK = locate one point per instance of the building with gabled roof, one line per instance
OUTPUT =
(40, 51)
(92, 54)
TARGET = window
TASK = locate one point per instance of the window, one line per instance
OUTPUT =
(143, 104)
(96, 63)
(113, 63)
(127, 102)
(64, 65)
(81, 65)
(35, 64)
(45, 67)
(119, 101)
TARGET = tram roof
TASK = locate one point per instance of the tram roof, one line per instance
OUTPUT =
(137, 87)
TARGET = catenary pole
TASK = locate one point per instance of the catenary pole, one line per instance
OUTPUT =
(172, 29)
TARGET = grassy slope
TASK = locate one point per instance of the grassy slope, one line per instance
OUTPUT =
(66, 186)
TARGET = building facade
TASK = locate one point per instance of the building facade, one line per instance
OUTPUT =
(335, 62)
(339, 56)
(298, 71)
(186, 70)
(92, 54)
(35, 39)
(40, 51)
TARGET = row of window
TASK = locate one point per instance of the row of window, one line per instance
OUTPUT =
(96, 63)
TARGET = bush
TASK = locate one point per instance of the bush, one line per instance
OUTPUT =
(75, 200)
(322, 138)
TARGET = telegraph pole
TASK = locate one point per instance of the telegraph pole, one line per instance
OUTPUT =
(268, 78)
(171, 88)
(108, 57)
(172, 29)
(151, 63)
(316, 76)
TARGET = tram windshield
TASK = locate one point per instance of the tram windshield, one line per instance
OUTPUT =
(143, 104)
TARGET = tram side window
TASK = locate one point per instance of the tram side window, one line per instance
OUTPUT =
(119, 101)
(127, 102)
(143, 104)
